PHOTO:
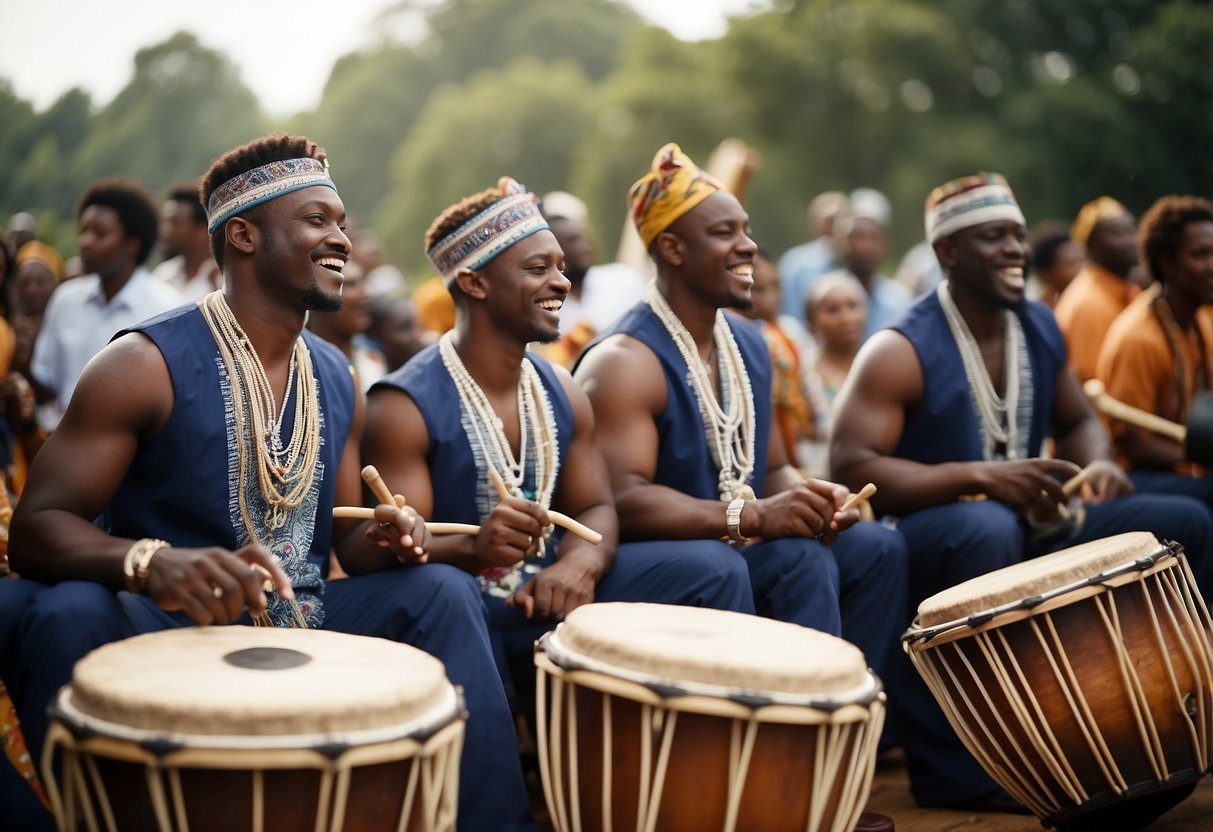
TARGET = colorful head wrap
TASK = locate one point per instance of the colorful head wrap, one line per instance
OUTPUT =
(969, 201)
(253, 187)
(1092, 214)
(472, 245)
(673, 186)
(40, 252)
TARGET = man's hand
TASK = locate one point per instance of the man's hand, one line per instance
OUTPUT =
(1030, 486)
(807, 509)
(557, 590)
(511, 533)
(213, 585)
(1108, 481)
(402, 531)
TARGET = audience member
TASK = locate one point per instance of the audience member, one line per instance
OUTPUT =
(188, 265)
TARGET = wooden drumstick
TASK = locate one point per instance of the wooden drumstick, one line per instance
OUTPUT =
(370, 475)
(865, 493)
(363, 513)
(563, 520)
(1075, 482)
(1109, 406)
(400, 501)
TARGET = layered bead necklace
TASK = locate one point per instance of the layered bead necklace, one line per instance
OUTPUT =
(998, 417)
(537, 444)
(728, 429)
(284, 473)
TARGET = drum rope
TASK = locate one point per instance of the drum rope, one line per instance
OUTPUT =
(410, 791)
(1168, 661)
(668, 723)
(574, 773)
(258, 800)
(608, 762)
(1146, 729)
(90, 819)
(1051, 747)
(738, 772)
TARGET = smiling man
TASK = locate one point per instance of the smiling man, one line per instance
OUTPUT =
(681, 392)
(477, 404)
(117, 226)
(218, 437)
(947, 412)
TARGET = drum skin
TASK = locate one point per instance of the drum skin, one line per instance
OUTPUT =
(1093, 707)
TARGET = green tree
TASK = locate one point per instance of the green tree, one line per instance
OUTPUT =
(521, 122)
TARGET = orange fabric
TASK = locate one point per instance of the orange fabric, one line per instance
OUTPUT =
(435, 306)
(566, 350)
(1137, 367)
(793, 413)
(1085, 312)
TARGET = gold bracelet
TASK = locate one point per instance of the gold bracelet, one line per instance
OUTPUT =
(138, 561)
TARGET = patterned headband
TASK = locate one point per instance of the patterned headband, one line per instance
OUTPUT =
(253, 187)
(472, 245)
(969, 201)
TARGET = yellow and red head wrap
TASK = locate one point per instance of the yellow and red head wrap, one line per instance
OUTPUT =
(40, 252)
(1092, 214)
(673, 186)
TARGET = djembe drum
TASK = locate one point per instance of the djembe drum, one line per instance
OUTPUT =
(1082, 681)
(235, 728)
(654, 717)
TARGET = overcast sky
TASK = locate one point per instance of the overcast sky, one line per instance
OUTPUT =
(49, 46)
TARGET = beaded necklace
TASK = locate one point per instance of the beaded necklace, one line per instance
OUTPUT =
(1185, 392)
(728, 429)
(998, 416)
(537, 443)
(284, 474)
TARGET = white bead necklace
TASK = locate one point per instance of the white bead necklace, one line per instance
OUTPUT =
(535, 419)
(998, 416)
(729, 432)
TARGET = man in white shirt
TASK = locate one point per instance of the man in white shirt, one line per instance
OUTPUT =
(116, 228)
(188, 265)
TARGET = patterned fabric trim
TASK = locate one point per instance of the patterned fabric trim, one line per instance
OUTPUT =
(487, 234)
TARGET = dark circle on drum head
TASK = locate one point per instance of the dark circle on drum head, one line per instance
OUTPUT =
(267, 658)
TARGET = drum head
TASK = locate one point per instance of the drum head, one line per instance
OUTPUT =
(258, 681)
(1033, 577)
(672, 645)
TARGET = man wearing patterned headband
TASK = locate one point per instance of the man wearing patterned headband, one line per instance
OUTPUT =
(682, 399)
(1104, 287)
(476, 404)
(947, 412)
(219, 437)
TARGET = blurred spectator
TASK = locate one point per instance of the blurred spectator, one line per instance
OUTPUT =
(381, 276)
(117, 223)
(1056, 260)
(861, 238)
(1102, 290)
(837, 311)
(801, 264)
(599, 293)
(188, 267)
(919, 270)
(39, 270)
(396, 329)
(789, 401)
(346, 328)
(435, 306)
(73, 268)
(21, 229)
(1158, 353)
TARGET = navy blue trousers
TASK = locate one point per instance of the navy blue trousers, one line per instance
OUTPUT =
(952, 543)
(436, 608)
(19, 806)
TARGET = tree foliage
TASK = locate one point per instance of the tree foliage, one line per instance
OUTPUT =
(1068, 98)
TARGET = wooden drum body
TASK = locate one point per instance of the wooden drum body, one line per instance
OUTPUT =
(654, 717)
(1082, 681)
(241, 728)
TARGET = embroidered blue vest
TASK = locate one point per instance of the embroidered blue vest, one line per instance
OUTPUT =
(944, 426)
(462, 493)
(182, 485)
(684, 462)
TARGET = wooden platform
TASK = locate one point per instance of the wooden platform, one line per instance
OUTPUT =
(891, 796)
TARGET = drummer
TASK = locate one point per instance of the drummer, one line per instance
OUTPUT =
(1158, 354)
(477, 404)
(922, 418)
(686, 467)
(216, 438)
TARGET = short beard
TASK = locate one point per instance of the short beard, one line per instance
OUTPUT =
(318, 300)
(743, 302)
(543, 336)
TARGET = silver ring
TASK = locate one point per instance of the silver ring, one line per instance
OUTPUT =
(217, 591)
